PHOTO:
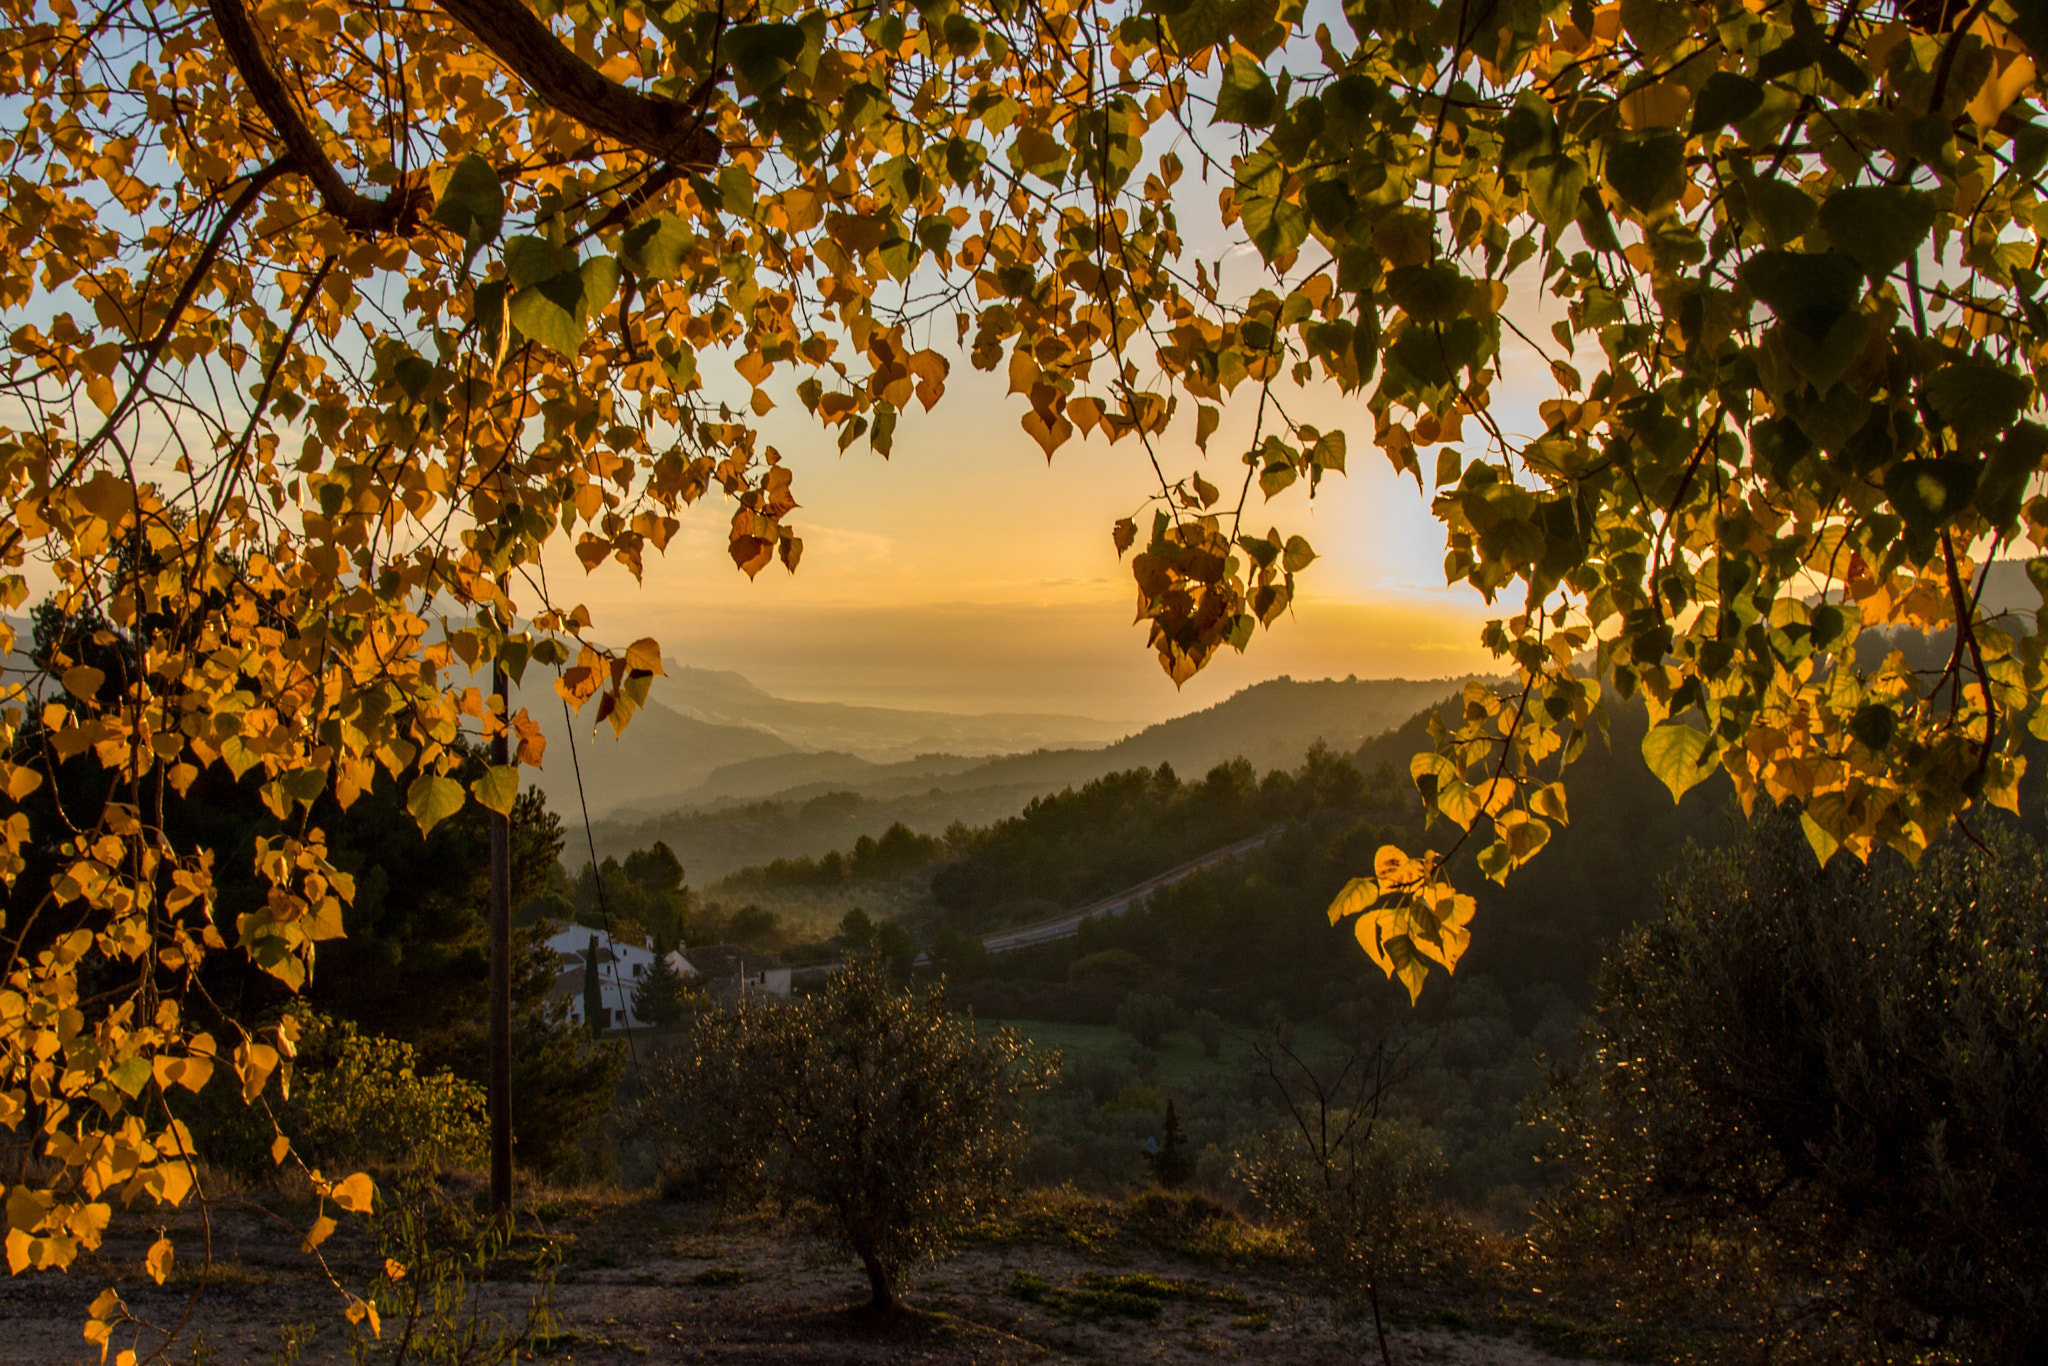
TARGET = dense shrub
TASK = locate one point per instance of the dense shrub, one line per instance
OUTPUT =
(1827, 1092)
(355, 1099)
(872, 1106)
(358, 1097)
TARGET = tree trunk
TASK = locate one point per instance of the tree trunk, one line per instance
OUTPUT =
(881, 1294)
(500, 1096)
(1379, 1326)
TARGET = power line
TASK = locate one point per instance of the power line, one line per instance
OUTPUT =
(597, 876)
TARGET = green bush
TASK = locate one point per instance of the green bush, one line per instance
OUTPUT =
(1821, 1098)
(360, 1097)
(355, 1099)
(871, 1106)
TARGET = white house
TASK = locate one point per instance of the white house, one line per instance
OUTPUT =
(621, 967)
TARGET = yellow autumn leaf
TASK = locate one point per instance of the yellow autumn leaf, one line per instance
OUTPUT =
(158, 1260)
(354, 1193)
(323, 1228)
(1358, 895)
(432, 799)
(83, 681)
(360, 1310)
(254, 1062)
(644, 656)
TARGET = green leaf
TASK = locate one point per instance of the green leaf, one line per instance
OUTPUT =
(1649, 172)
(1840, 67)
(736, 188)
(1874, 725)
(1828, 626)
(1677, 754)
(1726, 98)
(1297, 556)
(551, 313)
(1808, 291)
(1881, 226)
(1246, 94)
(964, 159)
(1197, 24)
(1977, 399)
(305, 785)
(1433, 293)
(1277, 226)
(498, 789)
(432, 800)
(2004, 482)
(654, 249)
(1329, 452)
(1275, 477)
(472, 203)
(762, 55)
(1929, 493)
(489, 312)
(131, 1076)
(1655, 26)
(530, 260)
(1781, 212)
(556, 312)
(1554, 184)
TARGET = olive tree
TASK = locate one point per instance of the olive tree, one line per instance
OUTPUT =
(1825, 1092)
(885, 1118)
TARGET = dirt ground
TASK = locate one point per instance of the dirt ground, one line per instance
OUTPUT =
(650, 1281)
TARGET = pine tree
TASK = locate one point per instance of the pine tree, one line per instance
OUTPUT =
(662, 997)
(1169, 1160)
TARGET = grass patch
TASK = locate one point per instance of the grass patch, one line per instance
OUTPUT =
(1253, 1323)
(719, 1275)
(1163, 1288)
(1083, 1303)
(1133, 1296)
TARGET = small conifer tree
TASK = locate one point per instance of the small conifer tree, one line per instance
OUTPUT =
(662, 997)
(1169, 1161)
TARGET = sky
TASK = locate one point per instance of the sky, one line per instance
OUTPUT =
(968, 573)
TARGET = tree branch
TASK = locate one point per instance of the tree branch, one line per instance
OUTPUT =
(362, 214)
(661, 127)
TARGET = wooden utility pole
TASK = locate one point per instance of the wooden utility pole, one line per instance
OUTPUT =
(501, 968)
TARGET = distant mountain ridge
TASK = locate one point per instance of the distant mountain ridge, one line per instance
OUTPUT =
(661, 751)
(824, 801)
(876, 734)
(702, 728)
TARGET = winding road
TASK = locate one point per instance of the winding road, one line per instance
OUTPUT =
(1065, 926)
